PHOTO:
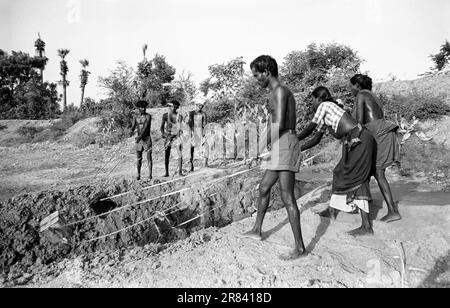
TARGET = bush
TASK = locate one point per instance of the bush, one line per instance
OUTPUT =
(3, 126)
(66, 121)
(413, 105)
(29, 132)
(220, 111)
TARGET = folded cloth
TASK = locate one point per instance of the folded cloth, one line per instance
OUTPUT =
(388, 146)
(357, 163)
(359, 198)
(285, 154)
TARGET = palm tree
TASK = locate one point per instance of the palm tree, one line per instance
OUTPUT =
(40, 52)
(64, 70)
(83, 77)
(144, 49)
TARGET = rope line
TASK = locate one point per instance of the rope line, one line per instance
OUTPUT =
(152, 217)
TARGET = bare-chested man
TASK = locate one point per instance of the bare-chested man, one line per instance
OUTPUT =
(368, 111)
(171, 132)
(285, 152)
(142, 123)
(197, 123)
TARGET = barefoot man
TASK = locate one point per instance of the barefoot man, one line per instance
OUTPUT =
(143, 123)
(368, 112)
(351, 176)
(171, 132)
(197, 123)
(285, 152)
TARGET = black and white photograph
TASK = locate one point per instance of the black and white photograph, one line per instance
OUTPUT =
(224, 149)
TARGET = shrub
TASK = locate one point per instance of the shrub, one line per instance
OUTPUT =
(29, 132)
(3, 126)
(413, 105)
(66, 121)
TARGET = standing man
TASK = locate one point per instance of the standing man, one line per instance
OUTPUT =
(197, 123)
(368, 112)
(171, 132)
(142, 123)
(285, 152)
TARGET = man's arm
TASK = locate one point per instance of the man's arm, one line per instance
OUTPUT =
(359, 105)
(163, 125)
(279, 117)
(308, 130)
(145, 129)
(312, 142)
(133, 126)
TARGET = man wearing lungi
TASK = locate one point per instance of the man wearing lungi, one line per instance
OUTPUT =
(285, 152)
(368, 111)
(171, 132)
(352, 174)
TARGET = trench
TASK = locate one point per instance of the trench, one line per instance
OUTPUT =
(161, 220)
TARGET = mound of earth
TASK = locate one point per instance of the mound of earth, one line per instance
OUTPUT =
(10, 131)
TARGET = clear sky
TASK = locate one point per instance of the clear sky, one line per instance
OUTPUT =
(393, 36)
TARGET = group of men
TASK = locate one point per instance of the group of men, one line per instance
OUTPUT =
(171, 131)
(369, 146)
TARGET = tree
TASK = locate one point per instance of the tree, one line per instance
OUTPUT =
(330, 65)
(40, 52)
(122, 92)
(64, 70)
(154, 78)
(83, 77)
(442, 58)
(225, 81)
(185, 87)
(22, 94)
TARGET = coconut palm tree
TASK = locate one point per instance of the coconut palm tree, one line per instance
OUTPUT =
(83, 77)
(64, 70)
(40, 52)
(144, 49)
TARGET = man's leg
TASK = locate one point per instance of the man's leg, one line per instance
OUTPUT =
(167, 159)
(139, 164)
(180, 159)
(150, 164)
(287, 183)
(192, 159)
(268, 180)
(366, 227)
(393, 214)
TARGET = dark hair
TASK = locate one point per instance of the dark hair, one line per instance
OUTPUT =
(175, 102)
(141, 104)
(364, 81)
(323, 94)
(263, 63)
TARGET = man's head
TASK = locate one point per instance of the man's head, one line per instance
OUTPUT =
(320, 95)
(199, 102)
(360, 82)
(142, 105)
(263, 68)
(175, 105)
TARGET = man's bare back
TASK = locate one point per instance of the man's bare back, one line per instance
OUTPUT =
(367, 107)
(290, 117)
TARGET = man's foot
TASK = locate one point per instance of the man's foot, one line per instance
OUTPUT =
(294, 254)
(138, 178)
(180, 173)
(360, 232)
(166, 175)
(329, 213)
(390, 217)
(254, 235)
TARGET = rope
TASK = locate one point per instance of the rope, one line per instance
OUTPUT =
(123, 207)
(151, 217)
(156, 185)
